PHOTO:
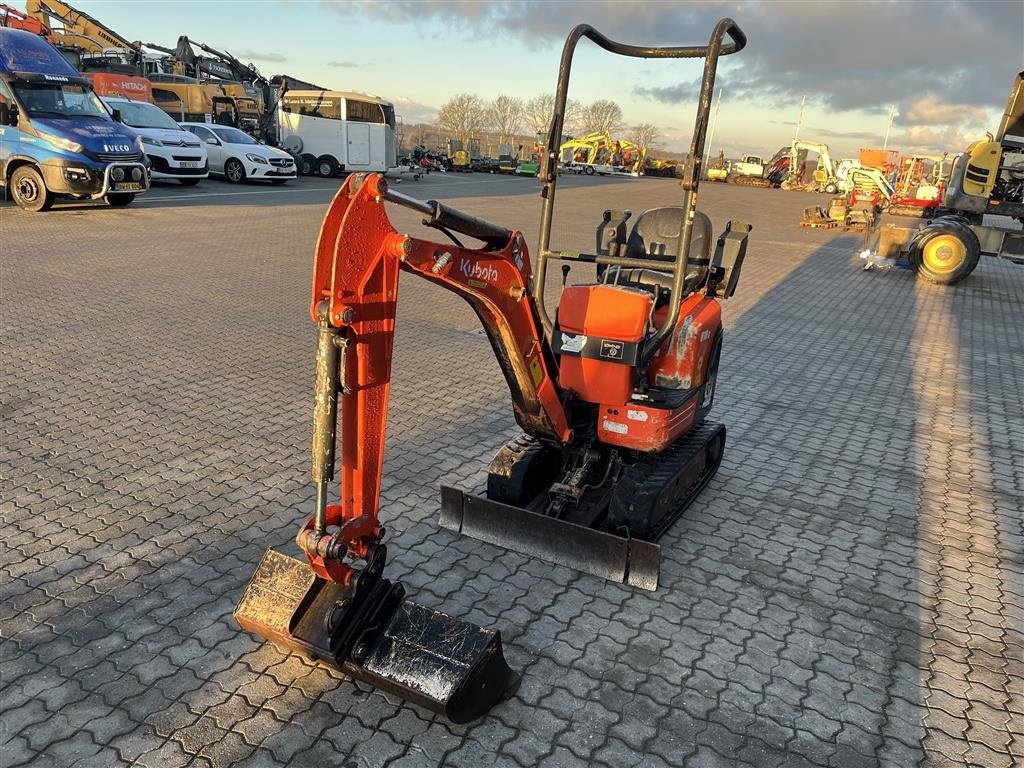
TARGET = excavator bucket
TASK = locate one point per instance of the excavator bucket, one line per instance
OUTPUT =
(372, 634)
(816, 217)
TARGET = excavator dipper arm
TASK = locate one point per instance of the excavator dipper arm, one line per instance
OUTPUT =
(355, 291)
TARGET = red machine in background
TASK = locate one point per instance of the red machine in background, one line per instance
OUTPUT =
(611, 395)
(15, 19)
(920, 184)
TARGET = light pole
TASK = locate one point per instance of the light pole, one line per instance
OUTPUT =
(711, 133)
(888, 127)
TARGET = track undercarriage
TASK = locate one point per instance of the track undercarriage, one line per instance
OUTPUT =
(540, 499)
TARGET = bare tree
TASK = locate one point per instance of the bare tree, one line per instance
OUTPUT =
(601, 116)
(573, 118)
(644, 135)
(463, 115)
(505, 116)
(539, 109)
(537, 112)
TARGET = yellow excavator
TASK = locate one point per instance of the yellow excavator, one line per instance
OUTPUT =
(598, 152)
(986, 181)
(79, 36)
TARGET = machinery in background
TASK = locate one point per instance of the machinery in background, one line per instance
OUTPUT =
(531, 166)
(919, 186)
(12, 18)
(582, 153)
(461, 161)
(717, 169)
(822, 179)
(982, 209)
(752, 171)
(186, 76)
(508, 159)
(748, 166)
(599, 153)
(88, 44)
(653, 166)
(612, 396)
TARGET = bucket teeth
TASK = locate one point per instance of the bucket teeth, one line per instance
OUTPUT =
(446, 665)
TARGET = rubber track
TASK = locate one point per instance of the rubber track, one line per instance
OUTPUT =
(641, 486)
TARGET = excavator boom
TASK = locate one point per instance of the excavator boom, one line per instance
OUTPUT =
(78, 29)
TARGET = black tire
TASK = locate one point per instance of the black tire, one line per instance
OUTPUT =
(119, 199)
(831, 188)
(327, 167)
(589, 170)
(29, 190)
(279, 182)
(945, 252)
(234, 171)
(189, 182)
(307, 164)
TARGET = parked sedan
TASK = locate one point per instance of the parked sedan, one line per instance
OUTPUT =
(237, 156)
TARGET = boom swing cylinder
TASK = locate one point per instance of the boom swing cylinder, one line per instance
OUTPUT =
(611, 398)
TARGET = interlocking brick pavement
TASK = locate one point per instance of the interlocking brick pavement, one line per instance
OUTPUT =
(846, 592)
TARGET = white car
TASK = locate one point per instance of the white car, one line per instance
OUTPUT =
(173, 152)
(237, 156)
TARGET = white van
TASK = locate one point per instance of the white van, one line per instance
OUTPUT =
(333, 132)
(173, 152)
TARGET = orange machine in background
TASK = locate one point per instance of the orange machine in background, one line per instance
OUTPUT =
(125, 86)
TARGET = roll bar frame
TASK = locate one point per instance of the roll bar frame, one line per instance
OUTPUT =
(549, 168)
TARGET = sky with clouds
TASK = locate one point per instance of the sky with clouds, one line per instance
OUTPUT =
(946, 65)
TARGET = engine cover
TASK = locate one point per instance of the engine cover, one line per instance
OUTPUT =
(598, 336)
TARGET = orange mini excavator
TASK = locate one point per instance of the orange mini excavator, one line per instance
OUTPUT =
(611, 394)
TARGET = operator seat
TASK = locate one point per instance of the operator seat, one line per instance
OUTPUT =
(655, 236)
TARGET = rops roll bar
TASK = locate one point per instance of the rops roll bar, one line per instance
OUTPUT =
(548, 172)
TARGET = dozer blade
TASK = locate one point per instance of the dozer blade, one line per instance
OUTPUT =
(616, 558)
(371, 633)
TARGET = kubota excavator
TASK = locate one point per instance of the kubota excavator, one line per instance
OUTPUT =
(611, 393)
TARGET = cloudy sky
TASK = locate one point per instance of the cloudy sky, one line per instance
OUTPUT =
(945, 65)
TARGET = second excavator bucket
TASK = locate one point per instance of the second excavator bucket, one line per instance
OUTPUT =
(371, 633)
(816, 217)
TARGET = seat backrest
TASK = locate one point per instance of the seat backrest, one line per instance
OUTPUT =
(655, 236)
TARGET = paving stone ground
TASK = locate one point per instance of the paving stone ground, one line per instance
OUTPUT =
(847, 591)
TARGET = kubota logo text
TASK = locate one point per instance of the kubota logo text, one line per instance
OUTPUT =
(478, 271)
